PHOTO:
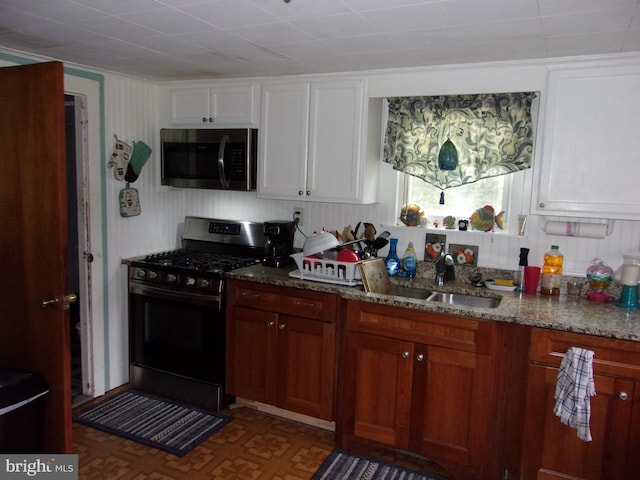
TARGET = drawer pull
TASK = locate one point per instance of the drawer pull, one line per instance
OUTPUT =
(270, 324)
(282, 326)
(304, 304)
(623, 395)
(420, 357)
(251, 294)
(405, 354)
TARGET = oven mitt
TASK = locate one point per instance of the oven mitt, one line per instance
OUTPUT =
(119, 158)
(139, 157)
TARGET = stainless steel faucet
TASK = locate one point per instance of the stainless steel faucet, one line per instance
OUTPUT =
(445, 267)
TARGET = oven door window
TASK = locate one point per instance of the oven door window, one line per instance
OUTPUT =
(178, 338)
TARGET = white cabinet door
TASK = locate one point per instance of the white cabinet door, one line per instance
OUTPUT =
(190, 106)
(335, 139)
(311, 142)
(220, 106)
(283, 141)
(590, 145)
(234, 105)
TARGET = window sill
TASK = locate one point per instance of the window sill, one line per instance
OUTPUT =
(498, 233)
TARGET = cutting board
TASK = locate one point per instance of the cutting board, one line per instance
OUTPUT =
(375, 278)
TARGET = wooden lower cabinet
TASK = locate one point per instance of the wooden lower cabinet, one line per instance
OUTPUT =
(420, 382)
(281, 347)
(552, 450)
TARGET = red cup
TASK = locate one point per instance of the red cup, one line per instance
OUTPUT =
(531, 279)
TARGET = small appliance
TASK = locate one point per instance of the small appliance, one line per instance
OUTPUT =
(628, 276)
(279, 244)
(222, 159)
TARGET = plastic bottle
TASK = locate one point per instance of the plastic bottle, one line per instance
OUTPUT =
(552, 271)
(409, 262)
(392, 262)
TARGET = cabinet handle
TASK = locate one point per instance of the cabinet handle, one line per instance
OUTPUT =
(250, 294)
(308, 193)
(304, 304)
(210, 119)
(282, 326)
(270, 324)
(623, 395)
(420, 357)
(405, 354)
(541, 205)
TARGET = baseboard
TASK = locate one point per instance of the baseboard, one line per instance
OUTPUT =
(280, 412)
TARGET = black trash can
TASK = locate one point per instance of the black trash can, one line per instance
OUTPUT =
(22, 406)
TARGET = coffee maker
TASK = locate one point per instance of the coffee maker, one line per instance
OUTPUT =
(279, 245)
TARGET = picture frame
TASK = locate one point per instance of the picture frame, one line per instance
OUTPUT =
(432, 246)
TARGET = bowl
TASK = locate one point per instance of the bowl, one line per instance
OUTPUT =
(318, 243)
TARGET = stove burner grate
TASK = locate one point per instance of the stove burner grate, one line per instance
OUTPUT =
(201, 261)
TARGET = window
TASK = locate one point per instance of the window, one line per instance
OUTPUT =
(508, 193)
(494, 135)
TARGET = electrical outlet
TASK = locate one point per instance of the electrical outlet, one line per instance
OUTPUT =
(298, 215)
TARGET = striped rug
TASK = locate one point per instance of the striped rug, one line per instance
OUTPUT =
(341, 465)
(157, 422)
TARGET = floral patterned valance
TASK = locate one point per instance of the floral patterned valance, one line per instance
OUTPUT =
(492, 133)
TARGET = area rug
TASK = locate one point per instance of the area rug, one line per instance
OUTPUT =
(164, 424)
(341, 465)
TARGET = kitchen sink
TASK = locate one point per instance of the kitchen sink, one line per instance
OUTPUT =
(464, 300)
(410, 292)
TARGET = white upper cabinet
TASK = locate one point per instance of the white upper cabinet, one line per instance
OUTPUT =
(219, 106)
(313, 143)
(589, 148)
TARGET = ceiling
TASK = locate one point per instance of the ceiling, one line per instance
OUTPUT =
(163, 40)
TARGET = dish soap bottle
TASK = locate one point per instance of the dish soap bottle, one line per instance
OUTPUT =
(552, 271)
(392, 262)
(409, 262)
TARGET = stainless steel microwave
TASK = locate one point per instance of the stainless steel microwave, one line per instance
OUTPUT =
(224, 159)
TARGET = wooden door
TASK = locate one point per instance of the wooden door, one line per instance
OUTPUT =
(451, 405)
(552, 450)
(306, 365)
(378, 379)
(251, 354)
(33, 244)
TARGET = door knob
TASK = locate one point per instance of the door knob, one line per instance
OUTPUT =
(65, 300)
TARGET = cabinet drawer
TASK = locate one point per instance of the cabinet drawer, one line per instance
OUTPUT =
(611, 356)
(290, 301)
(423, 327)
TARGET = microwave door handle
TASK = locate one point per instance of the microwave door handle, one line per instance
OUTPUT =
(223, 178)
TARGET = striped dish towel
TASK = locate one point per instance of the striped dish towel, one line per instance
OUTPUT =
(574, 388)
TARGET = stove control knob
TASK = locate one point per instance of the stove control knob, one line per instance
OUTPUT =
(152, 275)
(190, 281)
(204, 283)
(172, 278)
(141, 273)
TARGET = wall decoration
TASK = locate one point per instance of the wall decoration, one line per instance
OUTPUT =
(464, 254)
(432, 247)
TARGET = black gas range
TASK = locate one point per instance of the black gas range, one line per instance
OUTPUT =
(176, 310)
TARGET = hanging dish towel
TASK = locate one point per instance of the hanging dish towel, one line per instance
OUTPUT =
(574, 388)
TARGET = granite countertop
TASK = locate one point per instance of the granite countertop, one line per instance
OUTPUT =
(570, 314)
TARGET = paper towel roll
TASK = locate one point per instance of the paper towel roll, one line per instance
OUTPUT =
(577, 229)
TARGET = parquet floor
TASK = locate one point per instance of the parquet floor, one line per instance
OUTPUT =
(253, 446)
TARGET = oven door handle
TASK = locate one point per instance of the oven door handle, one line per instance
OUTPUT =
(163, 293)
